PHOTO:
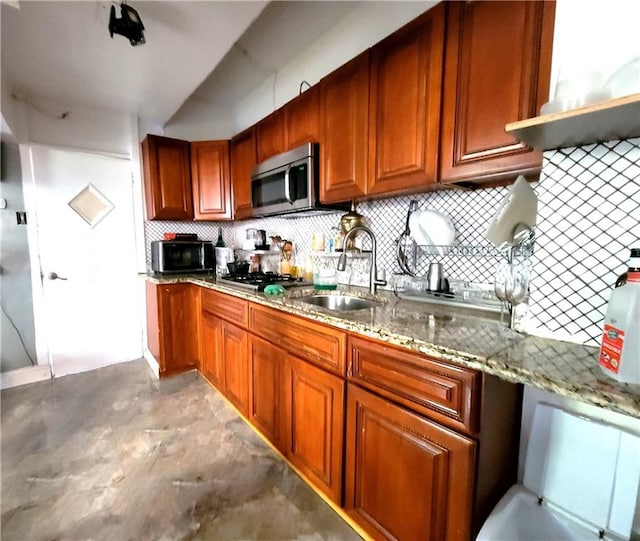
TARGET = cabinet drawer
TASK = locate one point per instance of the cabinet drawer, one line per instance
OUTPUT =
(320, 345)
(445, 392)
(225, 306)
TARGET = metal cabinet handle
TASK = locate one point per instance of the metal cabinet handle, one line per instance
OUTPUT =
(54, 276)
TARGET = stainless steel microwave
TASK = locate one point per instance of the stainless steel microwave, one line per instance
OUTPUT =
(288, 183)
(175, 256)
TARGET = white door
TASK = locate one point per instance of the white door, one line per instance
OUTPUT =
(91, 309)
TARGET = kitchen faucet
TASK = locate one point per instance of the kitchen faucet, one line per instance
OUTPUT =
(373, 275)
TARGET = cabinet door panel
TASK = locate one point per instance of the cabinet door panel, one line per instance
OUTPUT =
(167, 178)
(265, 404)
(497, 70)
(301, 119)
(344, 103)
(211, 180)
(427, 494)
(406, 83)
(315, 405)
(236, 366)
(243, 159)
(171, 335)
(212, 352)
(316, 343)
(225, 306)
(270, 136)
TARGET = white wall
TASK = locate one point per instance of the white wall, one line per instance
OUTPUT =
(80, 130)
(365, 25)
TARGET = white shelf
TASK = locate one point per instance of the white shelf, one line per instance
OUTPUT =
(614, 119)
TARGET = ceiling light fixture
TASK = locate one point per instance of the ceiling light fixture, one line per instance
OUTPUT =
(129, 25)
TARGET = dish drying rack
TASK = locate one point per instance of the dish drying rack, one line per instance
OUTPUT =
(474, 266)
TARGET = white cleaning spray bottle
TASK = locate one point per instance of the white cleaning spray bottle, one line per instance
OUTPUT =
(620, 349)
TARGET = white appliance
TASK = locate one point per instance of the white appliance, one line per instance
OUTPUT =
(581, 482)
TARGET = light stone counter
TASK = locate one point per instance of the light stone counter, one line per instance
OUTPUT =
(460, 336)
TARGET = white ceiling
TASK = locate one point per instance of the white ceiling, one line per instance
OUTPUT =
(213, 52)
(62, 52)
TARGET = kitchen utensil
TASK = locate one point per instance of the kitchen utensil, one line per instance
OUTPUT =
(417, 232)
(350, 220)
(436, 282)
(404, 240)
(519, 282)
(520, 205)
(238, 268)
(437, 226)
(223, 256)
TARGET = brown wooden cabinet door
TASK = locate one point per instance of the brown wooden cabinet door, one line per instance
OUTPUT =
(266, 396)
(243, 159)
(211, 180)
(212, 353)
(344, 113)
(404, 110)
(236, 366)
(270, 136)
(172, 337)
(497, 70)
(301, 119)
(406, 477)
(167, 178)
(314, 402)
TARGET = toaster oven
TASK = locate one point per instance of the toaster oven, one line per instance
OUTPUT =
(181, 256)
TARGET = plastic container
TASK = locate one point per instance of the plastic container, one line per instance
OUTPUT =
(620, 348)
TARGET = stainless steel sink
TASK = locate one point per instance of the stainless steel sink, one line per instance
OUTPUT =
(340, 303)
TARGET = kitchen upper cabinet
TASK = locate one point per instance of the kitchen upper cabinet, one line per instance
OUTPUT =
(301, 119)
(172, 326)
(266, 396)
(404, 110)
(243, 160)
(497, 70)
(314, 402)
(211, 180)
(270, 137)
(406, 476)
(235, 343)
(167, 178)
(344, 114)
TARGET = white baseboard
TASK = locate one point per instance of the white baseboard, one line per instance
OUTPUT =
(151, 360)
(22, 376)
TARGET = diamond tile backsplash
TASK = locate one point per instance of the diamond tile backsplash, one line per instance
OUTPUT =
(470, 212)
(588, 218)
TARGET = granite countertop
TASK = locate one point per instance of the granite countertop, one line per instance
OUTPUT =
(461, 336)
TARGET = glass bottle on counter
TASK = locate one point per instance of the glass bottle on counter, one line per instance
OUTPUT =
(620, 348)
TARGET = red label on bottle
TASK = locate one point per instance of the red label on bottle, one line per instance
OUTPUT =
(611, 349)
(633, 277)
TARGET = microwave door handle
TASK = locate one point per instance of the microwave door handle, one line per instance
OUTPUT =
(287, 185)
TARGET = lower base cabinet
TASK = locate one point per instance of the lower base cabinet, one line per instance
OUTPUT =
(171, 320)
(266, 394)
(314, 406)
(211, 350)
(406, 477)
(235, 354)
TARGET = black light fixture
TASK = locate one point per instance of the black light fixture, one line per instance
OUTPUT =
(129, 25)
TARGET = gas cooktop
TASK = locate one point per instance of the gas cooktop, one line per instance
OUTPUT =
(257, 281)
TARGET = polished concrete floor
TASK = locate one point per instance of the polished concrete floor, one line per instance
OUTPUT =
(114, 454)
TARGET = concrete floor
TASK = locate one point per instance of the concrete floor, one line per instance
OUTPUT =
(114, 454)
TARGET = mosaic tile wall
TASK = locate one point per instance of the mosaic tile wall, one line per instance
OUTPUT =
(470, 212)
(588, 219)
